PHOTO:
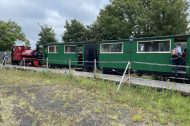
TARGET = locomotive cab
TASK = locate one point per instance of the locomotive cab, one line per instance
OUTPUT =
(16, 54)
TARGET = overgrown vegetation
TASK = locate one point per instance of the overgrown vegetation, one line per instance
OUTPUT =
(55, 99)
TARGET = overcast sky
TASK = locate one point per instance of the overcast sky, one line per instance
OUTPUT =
(30, 13)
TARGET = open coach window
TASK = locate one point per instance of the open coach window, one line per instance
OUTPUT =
(52, 49)
(70, 49)
(111, 48)
(154, 46)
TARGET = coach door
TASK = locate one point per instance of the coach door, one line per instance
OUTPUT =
(90, 53)
(182, 40)
(80, 54)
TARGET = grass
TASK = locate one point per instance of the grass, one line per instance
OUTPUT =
(146, 105)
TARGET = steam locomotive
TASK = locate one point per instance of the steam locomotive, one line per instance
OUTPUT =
(23, 55)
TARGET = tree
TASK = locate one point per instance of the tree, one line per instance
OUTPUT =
(75, 31)
(122, 18)
(9, 33)
(27, 42)
(47, 35)
(169, 17)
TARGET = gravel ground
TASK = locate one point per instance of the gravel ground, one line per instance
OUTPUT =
(60, 105)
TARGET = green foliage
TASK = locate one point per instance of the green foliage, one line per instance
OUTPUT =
(47, 35)
(75, 31)
(137, 118)
(9, 33)
(27, 42)
(142, 18)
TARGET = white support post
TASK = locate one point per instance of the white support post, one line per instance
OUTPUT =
(129, 73)
(95, 68)
(69, 65)
(5, 61)
(24, 63)
(123, 76)
(47, 65)
(21, 62)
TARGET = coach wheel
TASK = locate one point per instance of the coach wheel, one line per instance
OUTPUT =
(139, 74)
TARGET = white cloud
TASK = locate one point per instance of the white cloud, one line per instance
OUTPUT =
(57, 21)
(28, 13)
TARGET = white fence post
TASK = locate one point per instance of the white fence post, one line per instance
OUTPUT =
(95, 68)
(2, 62)
(24, 63)
(5, 61)
(47, 65)
(69, 65)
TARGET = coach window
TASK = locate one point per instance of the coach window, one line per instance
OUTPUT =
(111, 48)
(70, 49)
(52, 49)
(158, 46)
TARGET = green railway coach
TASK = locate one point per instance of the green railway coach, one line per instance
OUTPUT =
(60, 54)
(147, 55)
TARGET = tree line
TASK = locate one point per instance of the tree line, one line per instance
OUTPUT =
(118, 20)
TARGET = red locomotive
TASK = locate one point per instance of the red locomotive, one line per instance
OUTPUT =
(26, 56)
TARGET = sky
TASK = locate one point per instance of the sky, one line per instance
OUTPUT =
(30, 14)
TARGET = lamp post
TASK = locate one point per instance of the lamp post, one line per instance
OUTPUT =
(130, 40)
(135, 30)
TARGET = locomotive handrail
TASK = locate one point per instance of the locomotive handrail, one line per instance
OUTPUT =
(32, 58)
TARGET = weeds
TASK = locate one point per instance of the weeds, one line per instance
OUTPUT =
(145, 104)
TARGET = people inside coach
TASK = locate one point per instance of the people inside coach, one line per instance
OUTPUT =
(184, 55)
(177, 58)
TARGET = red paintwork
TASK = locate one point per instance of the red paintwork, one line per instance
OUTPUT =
(17, 52)
(28, 53)
(22, 52)
(36, 63)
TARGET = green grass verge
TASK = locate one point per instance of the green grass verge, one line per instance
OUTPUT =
(145, 104)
